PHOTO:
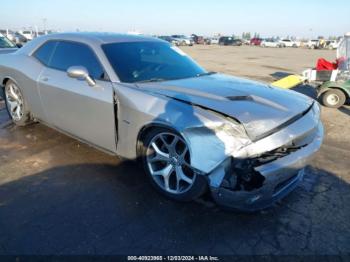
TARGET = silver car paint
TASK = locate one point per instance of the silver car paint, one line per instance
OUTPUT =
(78, 109)
(181, 105)
(7, 50)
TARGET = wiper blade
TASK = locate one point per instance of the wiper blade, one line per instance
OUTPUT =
(206, 74)
(151, 80)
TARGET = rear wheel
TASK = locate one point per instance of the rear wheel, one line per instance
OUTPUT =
(16, 105)
(333, 98)
(166, 160)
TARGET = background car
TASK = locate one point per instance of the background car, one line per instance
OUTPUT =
(229, 40)
(6, 46)
(19, 39)
(245, 41)
(313, 44)
(332, 44)
(28, 34)
(199, 40)
(170, 40)
(39, 33)
(255, 41)
(214, 40)
(270, 42)
(183, 40)
(290, 43)
(237, 42)
(8, 33)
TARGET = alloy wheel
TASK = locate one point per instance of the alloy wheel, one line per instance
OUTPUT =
(14, 100)
(168, 160)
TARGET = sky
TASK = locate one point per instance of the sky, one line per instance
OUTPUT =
(301, 18)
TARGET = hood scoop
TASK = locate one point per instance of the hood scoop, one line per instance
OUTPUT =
(257, 107)
(240, 98)
(259, 100)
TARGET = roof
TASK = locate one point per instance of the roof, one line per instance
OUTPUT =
(102, 38)
(92, 39)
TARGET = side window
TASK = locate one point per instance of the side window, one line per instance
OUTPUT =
(44, 53)
(69, 54)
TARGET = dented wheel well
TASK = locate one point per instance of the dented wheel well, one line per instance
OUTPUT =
(145, 130)
(4, 82)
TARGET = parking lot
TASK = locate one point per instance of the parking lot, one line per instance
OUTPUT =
(58, 196)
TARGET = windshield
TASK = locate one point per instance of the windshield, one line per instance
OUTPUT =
(150, 61)
(5, 43)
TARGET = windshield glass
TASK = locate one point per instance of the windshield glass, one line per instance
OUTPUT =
(5, 43)
(150, 61)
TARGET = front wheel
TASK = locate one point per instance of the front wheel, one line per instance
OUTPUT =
(166, 160)
(16, 105)
(333, 98)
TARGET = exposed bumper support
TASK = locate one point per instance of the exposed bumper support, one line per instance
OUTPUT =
(281, 177)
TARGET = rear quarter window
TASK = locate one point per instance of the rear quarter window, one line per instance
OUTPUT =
(44, 53)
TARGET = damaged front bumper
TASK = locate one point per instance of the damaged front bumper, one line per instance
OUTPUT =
(279, 177)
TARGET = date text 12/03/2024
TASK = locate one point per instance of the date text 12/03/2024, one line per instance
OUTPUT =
(173, 258)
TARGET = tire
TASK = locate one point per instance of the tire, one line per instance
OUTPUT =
(13, 95)
(182, 191)
(333, 98)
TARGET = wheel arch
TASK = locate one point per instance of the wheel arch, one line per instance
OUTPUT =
(148, 128)
(329, 87)
(6, 79)
(3, 84)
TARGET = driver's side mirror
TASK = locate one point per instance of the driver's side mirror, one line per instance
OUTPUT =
(80, 72)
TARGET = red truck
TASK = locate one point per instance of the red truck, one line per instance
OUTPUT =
(255, 41)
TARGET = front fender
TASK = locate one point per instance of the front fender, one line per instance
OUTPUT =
(210, 136)
(214, 141)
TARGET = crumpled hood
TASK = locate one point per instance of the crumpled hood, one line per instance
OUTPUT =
(260, 108)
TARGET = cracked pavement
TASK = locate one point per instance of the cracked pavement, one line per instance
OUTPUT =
(59, 196)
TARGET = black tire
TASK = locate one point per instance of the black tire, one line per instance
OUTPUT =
(199, 185)
(26, 117)
(336, 94)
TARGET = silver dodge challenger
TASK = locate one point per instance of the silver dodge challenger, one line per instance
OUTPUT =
(142, 98)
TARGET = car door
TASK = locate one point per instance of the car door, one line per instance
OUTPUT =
(73, 106)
